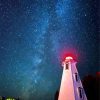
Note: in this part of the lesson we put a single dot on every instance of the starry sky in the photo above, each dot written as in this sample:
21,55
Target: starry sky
33,36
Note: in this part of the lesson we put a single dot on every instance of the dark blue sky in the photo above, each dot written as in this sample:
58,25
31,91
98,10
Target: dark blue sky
34,33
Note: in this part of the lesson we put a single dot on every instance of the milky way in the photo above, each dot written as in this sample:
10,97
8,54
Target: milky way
33,33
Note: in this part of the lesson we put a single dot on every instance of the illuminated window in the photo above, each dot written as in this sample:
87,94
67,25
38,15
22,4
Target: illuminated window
76,77
66,66
80,92
10,99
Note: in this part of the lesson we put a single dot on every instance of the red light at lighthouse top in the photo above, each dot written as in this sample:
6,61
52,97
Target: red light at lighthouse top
69,58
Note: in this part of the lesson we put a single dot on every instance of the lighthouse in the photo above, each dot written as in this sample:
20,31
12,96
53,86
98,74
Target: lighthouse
71,87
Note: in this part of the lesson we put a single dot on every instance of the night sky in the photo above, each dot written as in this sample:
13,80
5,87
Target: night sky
33,36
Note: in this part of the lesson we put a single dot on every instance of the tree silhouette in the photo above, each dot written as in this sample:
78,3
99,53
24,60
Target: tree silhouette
91,85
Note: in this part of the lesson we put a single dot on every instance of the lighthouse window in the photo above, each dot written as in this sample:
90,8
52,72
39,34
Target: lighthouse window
66,66
80,92
76,76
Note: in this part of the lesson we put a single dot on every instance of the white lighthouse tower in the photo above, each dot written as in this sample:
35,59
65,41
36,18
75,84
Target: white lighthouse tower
71,87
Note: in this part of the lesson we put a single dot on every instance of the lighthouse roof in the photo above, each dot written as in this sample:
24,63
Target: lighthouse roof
69,58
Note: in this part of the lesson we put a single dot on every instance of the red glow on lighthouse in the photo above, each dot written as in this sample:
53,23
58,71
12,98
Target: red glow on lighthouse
68,56
69,52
